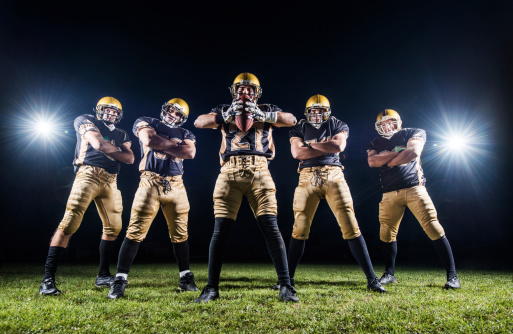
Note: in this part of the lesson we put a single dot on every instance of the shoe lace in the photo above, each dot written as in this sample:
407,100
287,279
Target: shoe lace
290,288
117,286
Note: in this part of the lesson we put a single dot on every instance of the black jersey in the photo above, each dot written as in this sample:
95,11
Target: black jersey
156,160
85,154
402,176
258,140
309,134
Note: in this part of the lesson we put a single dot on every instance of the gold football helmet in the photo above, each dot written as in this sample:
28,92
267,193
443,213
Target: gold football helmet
172,105
391,127
109,102
317,102
246,79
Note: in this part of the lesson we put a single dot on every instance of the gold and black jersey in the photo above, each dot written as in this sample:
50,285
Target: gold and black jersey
85,154
309,134
258,140
402,176
156,160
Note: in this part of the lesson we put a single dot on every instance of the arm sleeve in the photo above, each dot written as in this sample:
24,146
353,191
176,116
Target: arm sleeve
189,135
341,127
417,134
296,132
82,124
141,123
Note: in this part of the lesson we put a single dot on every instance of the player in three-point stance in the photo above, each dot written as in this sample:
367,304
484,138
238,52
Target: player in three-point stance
164,146
244,159
396,152
316,142
100,149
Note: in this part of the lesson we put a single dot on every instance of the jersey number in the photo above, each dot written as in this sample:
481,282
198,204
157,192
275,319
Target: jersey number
237,142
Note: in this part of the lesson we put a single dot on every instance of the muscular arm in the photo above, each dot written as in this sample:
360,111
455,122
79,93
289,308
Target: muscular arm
378,160
334,145
285,119
206,121
98,143
187,150
412,151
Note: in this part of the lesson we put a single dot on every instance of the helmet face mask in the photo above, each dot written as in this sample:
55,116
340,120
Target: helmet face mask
175,112
388,123
317,110
316,116
104,110
246,79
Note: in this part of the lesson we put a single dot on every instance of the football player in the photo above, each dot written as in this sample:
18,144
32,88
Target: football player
164,146
396,152
316,142
244,159
101,146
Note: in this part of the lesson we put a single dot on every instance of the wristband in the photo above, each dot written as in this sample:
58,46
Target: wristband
219,119
271,117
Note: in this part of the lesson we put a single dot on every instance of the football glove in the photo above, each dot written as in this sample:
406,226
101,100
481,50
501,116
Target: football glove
235,109
260,116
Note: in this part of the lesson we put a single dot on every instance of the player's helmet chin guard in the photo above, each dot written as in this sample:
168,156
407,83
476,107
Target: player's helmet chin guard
175,104
317,102
390,128
247,79
109,102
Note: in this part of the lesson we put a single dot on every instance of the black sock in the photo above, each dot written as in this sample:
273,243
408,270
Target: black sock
390,252
181,251
55,255
444,251
107,248
269,226
127,255
360,252
217,249
296,249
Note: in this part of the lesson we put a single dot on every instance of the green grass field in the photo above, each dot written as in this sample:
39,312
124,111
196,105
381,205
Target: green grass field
332,299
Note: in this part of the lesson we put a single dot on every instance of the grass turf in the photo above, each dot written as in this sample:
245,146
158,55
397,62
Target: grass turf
332,299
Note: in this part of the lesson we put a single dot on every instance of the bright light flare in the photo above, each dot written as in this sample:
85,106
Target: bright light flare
461,143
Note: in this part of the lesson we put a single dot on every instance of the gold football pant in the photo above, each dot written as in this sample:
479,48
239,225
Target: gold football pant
246,175
154,191
93,183
391,211
316,183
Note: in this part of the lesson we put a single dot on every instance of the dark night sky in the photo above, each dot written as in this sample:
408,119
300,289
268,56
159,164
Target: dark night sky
430,62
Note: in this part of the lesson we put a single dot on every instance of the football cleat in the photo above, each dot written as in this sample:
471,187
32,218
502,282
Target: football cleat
288,294
207,294
103,281
117,288
452,283
375,286
48,287
187,282
387,278
277,286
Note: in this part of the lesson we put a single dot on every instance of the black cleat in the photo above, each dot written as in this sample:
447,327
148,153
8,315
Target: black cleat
288,294
277,286
207,294
452,283
387,278
375,286
117,288
48,287
103,281
187,283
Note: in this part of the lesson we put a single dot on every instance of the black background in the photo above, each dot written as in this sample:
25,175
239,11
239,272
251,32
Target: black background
431,62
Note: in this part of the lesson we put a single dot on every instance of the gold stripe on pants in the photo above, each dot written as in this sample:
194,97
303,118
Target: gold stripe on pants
248,176
166,192
316,183
391,211
93,183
